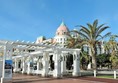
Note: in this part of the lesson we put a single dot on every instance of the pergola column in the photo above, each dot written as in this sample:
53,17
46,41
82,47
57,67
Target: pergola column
76,63
57,64
28,66
45,63
15,65
7,55
23,65
38,66
63,63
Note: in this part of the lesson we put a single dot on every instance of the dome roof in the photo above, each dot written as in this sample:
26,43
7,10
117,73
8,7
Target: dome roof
62,29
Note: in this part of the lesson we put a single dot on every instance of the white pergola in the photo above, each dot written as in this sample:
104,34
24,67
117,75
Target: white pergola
24,54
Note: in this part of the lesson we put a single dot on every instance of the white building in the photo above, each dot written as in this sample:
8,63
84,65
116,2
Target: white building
61,36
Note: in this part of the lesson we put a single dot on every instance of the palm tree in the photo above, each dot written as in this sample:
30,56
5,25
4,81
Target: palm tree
72,42
113,47
92,35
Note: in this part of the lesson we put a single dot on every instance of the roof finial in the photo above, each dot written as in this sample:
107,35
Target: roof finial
62,24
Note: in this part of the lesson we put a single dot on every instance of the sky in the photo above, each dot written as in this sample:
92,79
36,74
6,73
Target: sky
29,19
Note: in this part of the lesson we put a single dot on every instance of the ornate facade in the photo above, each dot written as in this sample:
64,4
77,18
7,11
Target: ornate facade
61,36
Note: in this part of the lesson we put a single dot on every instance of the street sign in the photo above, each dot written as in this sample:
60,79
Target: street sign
8,68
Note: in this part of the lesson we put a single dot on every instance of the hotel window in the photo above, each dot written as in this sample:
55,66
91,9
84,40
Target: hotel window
64,33
65,39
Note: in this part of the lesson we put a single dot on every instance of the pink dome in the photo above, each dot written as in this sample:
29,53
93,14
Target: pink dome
62,29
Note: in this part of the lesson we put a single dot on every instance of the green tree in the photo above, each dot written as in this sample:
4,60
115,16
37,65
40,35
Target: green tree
72,42
84,59
103,60
92,35
113,47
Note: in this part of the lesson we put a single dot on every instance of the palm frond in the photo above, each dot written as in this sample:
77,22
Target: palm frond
95,23
102,37
85,30
84,35
91,28
100,27
106,35
101,30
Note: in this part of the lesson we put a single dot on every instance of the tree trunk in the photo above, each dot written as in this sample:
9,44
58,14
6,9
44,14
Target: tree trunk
94,53
94,65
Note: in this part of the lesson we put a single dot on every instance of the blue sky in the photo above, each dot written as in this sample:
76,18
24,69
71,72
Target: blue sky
29,19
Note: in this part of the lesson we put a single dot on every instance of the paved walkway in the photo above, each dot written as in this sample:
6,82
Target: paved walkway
19,78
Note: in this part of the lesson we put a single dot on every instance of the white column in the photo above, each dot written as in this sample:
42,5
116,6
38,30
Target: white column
38,67
28,68
63,64
23,65
95,73
76,64
115,74
45,62
15,65
7,56
3,65
57,64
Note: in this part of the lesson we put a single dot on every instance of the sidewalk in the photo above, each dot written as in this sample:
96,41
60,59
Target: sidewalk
19,78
